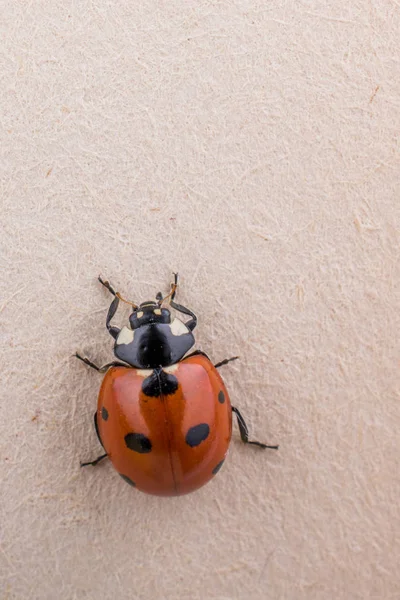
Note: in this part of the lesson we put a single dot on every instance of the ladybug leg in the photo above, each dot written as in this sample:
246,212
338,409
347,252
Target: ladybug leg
219,364
94,462
99,458
87,361
225,361
244,432
197,353
114,331
102,369
191,324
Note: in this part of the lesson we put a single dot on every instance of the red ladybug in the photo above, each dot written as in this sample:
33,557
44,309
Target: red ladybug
164,421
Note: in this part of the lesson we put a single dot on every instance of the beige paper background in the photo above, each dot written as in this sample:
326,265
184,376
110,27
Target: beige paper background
254,147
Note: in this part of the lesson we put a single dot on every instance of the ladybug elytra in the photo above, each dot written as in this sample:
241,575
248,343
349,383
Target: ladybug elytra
163,417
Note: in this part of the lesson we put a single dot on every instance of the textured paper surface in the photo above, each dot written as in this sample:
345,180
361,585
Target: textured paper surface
254,147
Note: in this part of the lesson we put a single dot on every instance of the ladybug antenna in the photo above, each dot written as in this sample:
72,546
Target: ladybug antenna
134,306
171,295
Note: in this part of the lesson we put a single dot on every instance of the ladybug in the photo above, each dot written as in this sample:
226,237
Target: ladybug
163,417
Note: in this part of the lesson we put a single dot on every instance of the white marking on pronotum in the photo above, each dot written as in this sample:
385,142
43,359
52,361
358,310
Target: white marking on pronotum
178,328
139,314
157,311
125,336
171,368
144,372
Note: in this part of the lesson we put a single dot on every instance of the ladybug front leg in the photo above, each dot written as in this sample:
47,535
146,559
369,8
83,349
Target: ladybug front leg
191,324
244,432
114,331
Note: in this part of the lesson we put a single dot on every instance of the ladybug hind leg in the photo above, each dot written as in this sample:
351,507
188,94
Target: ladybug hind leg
94,462
244,432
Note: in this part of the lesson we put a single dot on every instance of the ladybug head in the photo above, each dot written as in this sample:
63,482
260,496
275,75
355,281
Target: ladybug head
149,312
153,339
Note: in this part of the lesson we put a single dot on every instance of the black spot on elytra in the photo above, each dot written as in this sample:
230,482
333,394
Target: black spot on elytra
197,434
138,442
125,478
217,468
159,382
221,397
104,413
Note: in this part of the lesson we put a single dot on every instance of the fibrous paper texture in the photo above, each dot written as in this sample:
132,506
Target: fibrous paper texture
253,147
